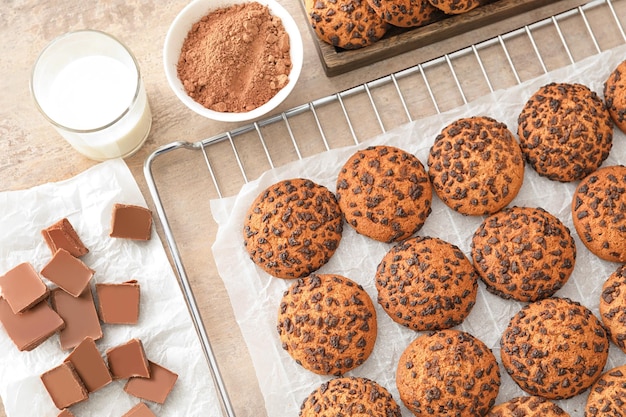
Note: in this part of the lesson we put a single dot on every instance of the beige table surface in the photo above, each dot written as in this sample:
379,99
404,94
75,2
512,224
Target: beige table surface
32,153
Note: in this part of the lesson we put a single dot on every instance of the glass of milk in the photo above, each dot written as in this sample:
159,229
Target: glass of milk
87,84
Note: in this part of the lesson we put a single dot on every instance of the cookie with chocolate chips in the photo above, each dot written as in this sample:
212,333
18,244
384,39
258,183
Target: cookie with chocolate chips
292,228
554,348
527,406
327,323
565,131
456,6
599,213
607,397
448,373
350,396
425,283
347,24
613,306
476,165
384,193
523,253
615,96
406,13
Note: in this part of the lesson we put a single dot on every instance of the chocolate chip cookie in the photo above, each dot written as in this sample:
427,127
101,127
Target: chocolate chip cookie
607,396
406,13
528,406
448,373
327,323
599,212
476,165
523,253
350,396
346,24
613,306
456,6
554,348
615,96
292,228
565,131
425,283
384,193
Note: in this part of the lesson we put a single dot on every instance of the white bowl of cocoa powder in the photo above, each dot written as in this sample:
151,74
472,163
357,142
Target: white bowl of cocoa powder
233,60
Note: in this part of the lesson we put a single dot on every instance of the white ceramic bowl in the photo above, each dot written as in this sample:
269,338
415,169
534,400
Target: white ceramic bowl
178,31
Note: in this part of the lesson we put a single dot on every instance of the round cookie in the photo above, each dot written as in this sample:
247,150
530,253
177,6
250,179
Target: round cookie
292,228
565,131
615,96
554,348
425,283
448,373
599,213
347,24
456,6
613,306
476,166
384,193
528,406
607,397
406,13
327,323
350,396
523,253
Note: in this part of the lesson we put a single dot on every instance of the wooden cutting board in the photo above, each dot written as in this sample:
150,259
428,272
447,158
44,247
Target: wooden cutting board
399,40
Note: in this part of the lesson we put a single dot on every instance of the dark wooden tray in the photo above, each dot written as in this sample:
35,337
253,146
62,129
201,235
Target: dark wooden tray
399,40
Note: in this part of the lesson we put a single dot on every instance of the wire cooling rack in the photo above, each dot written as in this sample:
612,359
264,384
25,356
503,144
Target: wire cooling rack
349,117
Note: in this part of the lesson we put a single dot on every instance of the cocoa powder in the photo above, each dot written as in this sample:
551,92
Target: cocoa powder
235,59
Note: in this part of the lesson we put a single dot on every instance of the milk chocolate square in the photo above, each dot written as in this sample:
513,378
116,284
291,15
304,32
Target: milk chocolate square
156,388
62,235
118,303
89,365
68,272
22,287
131,222
80,317
29,329
64,386
65,413
128,360
140,410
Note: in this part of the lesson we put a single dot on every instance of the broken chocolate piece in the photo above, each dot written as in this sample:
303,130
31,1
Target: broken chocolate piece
131,222
128,360
62,235
68,272
89,365
64,386
156,388
32,327
65,413
118,303
140,410
22,287
80,317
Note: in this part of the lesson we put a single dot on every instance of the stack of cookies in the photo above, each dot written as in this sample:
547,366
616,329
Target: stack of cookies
553,348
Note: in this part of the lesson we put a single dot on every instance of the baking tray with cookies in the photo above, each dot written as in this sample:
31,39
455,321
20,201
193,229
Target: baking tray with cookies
292,328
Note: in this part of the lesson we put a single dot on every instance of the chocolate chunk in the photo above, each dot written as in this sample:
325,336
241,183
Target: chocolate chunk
32,327
65,413
140,410
156,388
128,360
80,317
89,365
131,222
68,272
22,287
118,303
64,386
62,235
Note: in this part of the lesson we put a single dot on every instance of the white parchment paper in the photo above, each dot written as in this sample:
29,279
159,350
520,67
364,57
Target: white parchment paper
164,327
255,295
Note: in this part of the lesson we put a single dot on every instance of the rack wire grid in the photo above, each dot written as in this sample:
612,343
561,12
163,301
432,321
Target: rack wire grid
349,117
